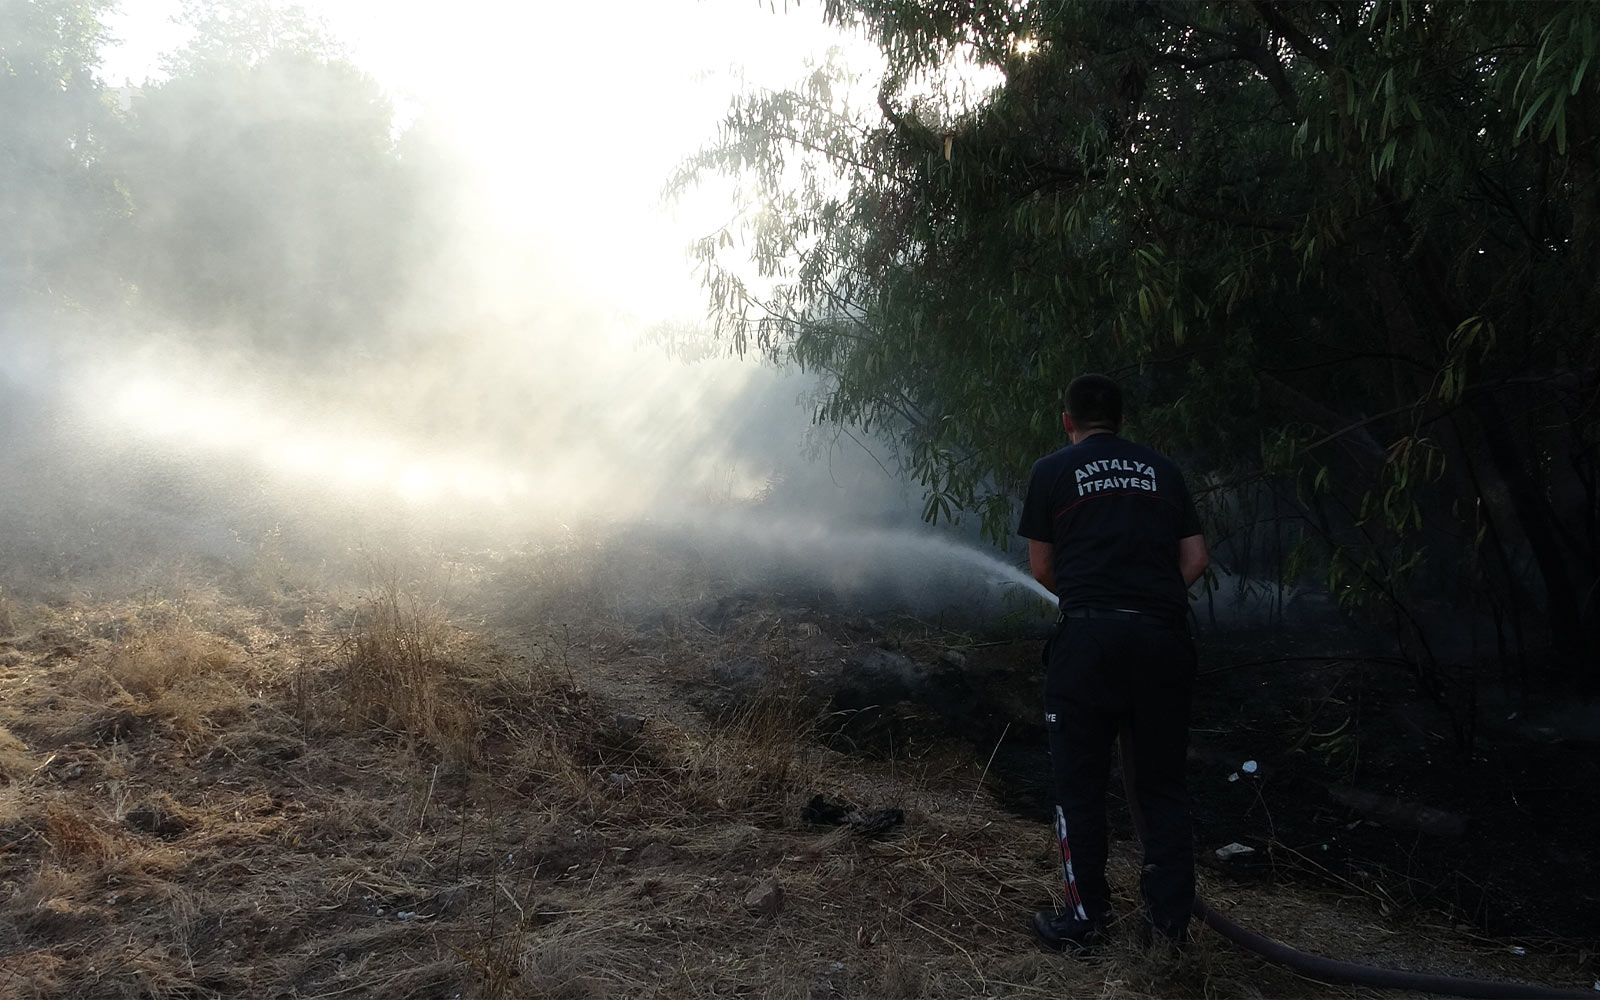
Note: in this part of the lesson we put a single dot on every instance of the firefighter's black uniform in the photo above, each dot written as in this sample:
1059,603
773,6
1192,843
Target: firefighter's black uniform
1113,512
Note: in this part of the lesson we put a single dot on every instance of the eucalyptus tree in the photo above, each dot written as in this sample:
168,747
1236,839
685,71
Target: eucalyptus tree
1344,249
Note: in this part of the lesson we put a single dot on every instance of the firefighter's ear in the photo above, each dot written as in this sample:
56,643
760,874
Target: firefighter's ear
1066,422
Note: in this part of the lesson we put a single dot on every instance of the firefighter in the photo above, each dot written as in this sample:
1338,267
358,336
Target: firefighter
1112,532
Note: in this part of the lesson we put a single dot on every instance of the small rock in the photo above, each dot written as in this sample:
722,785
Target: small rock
1232,850
874,821
825,811
953,657
629,725
765,899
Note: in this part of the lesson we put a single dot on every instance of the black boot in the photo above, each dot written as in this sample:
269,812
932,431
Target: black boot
1065,932
1168,941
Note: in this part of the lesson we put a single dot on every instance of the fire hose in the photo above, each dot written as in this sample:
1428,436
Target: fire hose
1333,970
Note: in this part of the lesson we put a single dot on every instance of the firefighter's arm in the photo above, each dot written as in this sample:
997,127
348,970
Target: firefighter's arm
1042,561
1192,558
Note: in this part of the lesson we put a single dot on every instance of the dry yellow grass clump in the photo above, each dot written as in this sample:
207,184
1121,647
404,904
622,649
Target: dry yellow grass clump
155,662
402,671
15,760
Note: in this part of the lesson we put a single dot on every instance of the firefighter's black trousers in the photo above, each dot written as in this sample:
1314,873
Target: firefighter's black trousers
1100,675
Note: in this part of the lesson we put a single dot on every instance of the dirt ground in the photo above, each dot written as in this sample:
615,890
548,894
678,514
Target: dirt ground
520,782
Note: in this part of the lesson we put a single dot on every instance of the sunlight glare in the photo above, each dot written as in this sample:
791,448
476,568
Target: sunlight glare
185,414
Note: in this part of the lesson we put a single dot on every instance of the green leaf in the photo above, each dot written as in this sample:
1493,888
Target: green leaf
1386,156
1527,116
1559,113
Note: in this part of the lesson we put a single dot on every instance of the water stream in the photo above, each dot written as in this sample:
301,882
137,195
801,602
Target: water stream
1009,574
1003,572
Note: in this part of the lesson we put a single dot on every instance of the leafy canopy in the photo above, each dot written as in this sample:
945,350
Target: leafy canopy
1344,248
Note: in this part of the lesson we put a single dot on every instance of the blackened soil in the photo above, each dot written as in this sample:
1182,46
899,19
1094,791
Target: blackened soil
1527,859
1483,813
1526,798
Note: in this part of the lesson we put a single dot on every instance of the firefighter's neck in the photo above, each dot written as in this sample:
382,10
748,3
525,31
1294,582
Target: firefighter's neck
1077,432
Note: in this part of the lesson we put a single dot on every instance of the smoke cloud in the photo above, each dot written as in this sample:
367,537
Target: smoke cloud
366,281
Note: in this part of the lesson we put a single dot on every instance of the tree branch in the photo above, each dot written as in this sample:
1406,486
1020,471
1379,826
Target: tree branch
1291,33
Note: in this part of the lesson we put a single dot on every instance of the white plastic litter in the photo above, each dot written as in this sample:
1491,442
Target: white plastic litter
1234,776
1230,850
1248,767
1517,949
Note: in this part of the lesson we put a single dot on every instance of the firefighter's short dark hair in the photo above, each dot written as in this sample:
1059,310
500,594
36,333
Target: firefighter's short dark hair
1095,402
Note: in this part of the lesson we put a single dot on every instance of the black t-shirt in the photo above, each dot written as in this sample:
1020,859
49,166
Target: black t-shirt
1114,512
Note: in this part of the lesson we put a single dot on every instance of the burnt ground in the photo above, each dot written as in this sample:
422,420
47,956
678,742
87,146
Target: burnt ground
1516,853
1362,786
1362,793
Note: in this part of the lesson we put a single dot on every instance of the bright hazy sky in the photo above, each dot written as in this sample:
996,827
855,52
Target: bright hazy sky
573,116
576,113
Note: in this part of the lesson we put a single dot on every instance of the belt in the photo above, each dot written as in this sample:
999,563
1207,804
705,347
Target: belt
1117,614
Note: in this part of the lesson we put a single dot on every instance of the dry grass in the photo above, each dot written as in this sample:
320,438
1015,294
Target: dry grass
209,799
402,667
15,761
151,664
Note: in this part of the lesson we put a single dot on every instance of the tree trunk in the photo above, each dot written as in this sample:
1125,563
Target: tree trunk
1534,517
